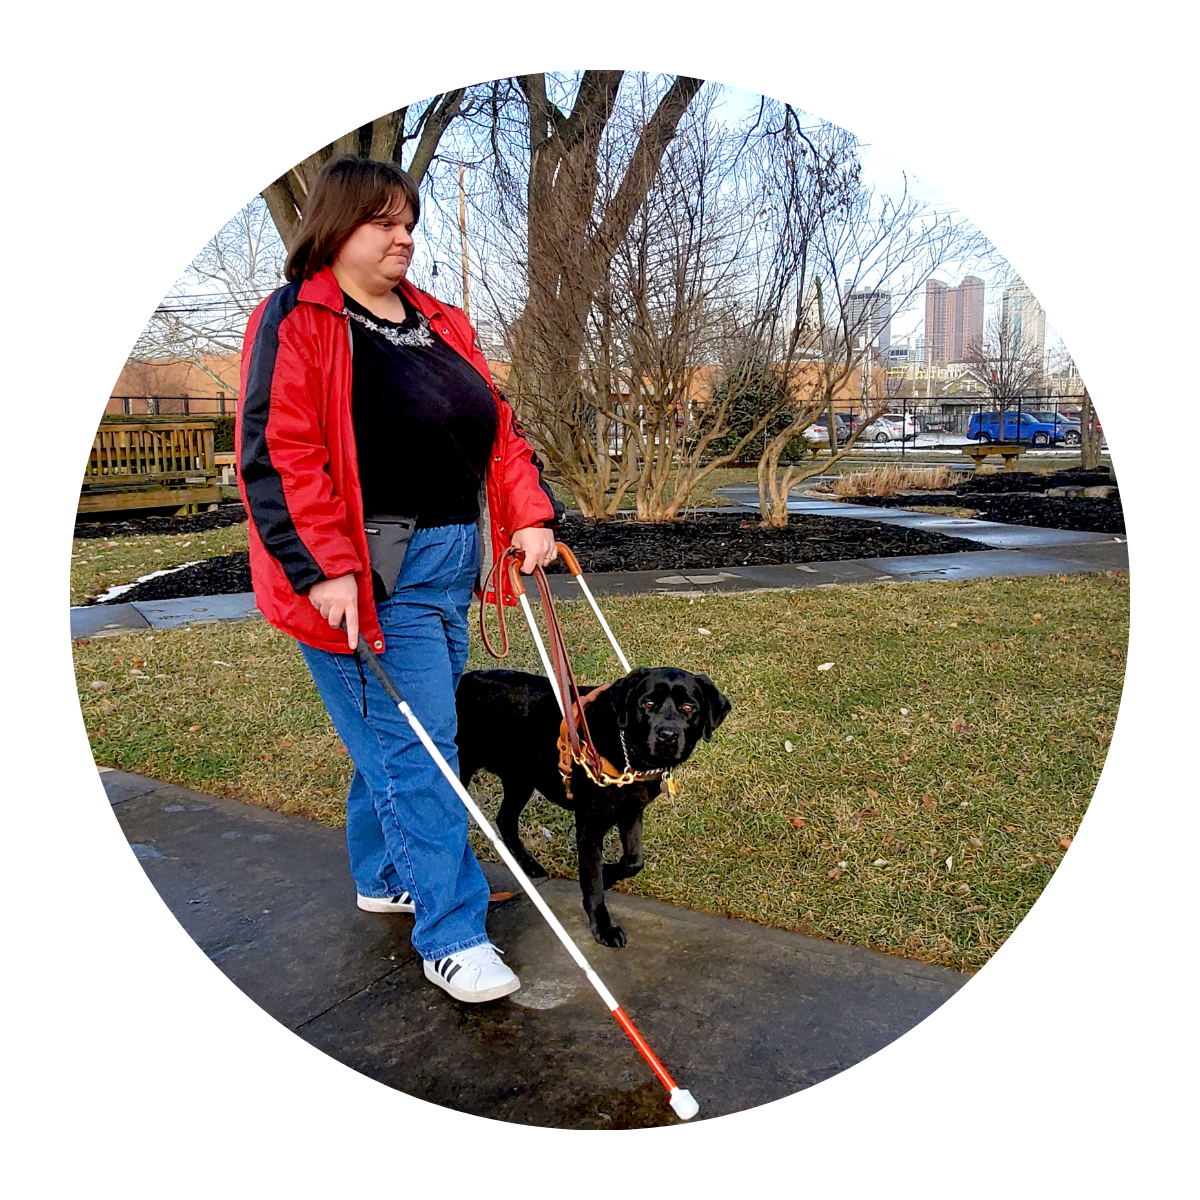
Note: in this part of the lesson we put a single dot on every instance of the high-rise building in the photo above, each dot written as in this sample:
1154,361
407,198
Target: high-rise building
869,314
953,320
1024,321
968,318
935,321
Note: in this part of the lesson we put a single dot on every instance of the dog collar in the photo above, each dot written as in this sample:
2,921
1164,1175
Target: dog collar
608,775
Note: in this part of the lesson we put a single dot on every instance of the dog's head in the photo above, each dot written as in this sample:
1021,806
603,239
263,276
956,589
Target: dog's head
663,712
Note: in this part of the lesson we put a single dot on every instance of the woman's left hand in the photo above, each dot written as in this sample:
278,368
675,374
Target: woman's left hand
538,547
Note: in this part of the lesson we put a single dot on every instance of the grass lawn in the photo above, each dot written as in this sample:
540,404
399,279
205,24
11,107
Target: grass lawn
915,797
99,563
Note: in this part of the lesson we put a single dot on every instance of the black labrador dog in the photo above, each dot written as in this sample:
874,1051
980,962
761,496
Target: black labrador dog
648,720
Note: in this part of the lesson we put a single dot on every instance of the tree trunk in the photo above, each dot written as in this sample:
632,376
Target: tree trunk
382,139
569,253
1090,437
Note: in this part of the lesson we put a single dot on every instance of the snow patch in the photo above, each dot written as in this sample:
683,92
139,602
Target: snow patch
119,589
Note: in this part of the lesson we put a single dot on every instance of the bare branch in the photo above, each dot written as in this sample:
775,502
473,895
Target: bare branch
437,119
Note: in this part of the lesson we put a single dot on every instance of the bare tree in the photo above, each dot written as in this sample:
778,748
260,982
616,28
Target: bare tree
409,136
657,321
634,356
847,259
1008,361
587,175
205,313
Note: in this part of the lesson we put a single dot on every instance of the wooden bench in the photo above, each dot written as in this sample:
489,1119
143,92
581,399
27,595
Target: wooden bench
1009,451
151,463
227,465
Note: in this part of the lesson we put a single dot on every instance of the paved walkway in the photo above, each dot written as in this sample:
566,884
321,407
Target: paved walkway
741,1015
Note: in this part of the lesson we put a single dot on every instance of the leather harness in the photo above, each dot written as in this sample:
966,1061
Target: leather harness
575,745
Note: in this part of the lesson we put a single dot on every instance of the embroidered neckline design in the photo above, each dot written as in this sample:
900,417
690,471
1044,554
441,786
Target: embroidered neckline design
418,335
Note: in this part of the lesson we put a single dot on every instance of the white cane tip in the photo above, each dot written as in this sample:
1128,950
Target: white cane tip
684,1104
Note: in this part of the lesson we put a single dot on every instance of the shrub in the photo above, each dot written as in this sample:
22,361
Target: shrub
223,435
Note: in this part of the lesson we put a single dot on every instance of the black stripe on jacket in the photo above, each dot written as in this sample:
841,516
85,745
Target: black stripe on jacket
263,483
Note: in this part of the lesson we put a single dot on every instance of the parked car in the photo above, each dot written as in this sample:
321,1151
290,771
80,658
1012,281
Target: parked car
881,430
818,431
1076,415
985,427
1065,421
891,427
908,420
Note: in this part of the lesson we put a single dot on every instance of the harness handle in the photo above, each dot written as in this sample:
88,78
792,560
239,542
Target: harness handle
562,676
579,736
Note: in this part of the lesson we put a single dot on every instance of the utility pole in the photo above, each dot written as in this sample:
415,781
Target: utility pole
462,225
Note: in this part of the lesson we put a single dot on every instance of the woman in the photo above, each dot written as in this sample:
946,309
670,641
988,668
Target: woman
364,397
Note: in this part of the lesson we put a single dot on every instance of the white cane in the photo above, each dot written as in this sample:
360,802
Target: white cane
681,1099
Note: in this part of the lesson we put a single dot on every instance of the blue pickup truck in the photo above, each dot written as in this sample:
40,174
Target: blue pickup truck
985,427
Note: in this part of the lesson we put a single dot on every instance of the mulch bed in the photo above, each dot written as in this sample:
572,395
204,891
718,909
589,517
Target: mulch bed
1017,498
231,513
706,540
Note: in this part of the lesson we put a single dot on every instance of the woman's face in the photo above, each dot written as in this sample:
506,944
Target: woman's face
377,254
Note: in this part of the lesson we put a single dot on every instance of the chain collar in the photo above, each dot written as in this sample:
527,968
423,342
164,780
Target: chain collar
608,775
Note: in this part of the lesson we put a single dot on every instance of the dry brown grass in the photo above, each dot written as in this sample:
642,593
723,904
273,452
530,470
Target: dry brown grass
941,510
886,481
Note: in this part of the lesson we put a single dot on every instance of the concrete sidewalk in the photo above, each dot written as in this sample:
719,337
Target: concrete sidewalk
740,1014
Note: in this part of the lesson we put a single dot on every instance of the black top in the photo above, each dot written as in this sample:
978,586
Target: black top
424,421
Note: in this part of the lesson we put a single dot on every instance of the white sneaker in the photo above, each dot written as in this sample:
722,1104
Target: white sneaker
473,975
391,904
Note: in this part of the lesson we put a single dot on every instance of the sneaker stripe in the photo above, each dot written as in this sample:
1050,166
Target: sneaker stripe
453,971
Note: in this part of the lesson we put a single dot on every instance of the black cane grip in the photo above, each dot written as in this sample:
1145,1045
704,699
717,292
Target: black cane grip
370,660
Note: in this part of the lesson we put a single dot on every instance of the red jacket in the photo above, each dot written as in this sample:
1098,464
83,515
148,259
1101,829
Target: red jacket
298,465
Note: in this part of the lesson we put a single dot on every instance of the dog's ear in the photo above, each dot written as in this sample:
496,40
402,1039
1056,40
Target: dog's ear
624,693
716,705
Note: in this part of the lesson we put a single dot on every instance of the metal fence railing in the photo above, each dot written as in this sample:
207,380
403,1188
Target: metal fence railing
173,406
951,417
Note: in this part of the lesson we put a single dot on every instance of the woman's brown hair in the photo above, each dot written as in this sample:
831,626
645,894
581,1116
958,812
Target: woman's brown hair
347,193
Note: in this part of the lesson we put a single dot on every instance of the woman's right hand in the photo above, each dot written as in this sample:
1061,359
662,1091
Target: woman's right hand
337,600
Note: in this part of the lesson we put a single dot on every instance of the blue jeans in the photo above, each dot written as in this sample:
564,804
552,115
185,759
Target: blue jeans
406,829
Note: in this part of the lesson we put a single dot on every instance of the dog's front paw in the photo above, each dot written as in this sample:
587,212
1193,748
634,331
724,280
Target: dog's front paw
533,868
526,861
611,935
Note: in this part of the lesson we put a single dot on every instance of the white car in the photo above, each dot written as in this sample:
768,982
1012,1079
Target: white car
888,428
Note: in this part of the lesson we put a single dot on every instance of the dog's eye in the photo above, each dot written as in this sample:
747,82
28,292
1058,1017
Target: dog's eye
647,703
687,708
